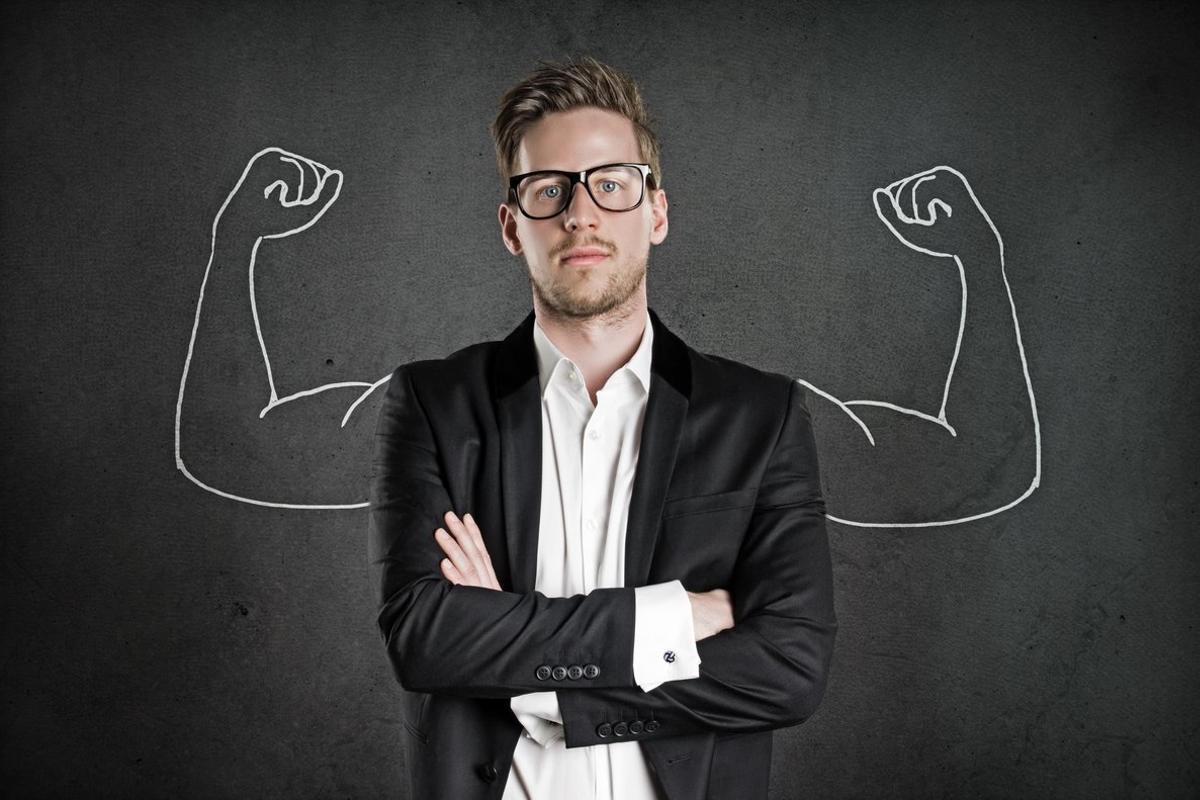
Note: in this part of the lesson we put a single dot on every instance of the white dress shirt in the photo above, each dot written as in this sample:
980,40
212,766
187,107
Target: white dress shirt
589,456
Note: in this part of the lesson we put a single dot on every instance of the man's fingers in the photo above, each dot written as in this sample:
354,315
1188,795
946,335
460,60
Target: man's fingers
470,540
459,558
464,539
487,557
451,572
463,543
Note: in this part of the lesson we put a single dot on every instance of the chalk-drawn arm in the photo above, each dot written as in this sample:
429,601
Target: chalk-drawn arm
979,452
231,426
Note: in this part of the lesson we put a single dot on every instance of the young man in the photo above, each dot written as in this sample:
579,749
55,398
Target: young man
638,589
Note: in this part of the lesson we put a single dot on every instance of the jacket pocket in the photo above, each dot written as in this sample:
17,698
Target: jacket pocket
703,503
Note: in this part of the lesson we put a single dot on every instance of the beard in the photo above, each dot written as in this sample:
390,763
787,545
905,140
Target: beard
575,297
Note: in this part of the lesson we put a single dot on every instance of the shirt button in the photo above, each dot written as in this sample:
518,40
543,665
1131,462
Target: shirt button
571,376
593,434
591,524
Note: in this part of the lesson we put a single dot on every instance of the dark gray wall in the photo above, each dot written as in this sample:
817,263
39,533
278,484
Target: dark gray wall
163,641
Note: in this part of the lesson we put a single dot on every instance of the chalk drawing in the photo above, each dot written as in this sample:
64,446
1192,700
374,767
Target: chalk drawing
900,196
317,175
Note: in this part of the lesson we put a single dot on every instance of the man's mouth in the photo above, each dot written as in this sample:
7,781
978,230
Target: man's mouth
584,256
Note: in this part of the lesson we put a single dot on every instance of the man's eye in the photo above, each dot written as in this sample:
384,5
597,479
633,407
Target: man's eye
547,191
614,184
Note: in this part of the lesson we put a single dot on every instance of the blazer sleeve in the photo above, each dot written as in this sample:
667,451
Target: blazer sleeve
467,640
770,669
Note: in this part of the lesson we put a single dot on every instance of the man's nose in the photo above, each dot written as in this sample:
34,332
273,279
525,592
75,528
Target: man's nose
582,210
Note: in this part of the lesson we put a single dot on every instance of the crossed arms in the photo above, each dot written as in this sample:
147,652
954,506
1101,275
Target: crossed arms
767,671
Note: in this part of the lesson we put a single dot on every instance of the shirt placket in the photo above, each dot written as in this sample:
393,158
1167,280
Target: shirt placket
593,499
589,496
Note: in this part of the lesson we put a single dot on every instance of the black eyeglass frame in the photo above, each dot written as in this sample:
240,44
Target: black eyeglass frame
578,177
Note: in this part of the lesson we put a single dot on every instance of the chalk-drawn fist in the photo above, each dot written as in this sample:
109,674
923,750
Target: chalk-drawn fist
281,193
936,212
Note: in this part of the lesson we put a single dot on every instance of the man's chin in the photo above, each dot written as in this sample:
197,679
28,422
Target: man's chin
582,299
584,310
581,305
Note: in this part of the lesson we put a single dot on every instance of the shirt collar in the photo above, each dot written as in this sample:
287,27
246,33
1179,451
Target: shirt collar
551,360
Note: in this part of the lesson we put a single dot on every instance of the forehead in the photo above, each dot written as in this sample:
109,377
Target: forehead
577,139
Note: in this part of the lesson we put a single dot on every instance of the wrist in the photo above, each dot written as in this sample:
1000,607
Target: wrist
232,237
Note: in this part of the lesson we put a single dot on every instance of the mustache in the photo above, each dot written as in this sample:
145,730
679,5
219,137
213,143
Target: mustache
569,246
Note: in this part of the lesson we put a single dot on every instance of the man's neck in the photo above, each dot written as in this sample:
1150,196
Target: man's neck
599,346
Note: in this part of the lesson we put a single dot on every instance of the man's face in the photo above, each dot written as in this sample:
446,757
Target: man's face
576,140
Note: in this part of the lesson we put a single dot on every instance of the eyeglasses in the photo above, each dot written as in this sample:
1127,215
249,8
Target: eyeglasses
613,187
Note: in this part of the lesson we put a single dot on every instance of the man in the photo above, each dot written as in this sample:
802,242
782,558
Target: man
697,475
629,584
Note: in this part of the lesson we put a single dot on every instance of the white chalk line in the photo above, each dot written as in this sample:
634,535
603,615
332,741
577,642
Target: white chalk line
323,174
894,192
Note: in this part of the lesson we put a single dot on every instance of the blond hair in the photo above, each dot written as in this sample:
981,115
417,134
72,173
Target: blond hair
559,87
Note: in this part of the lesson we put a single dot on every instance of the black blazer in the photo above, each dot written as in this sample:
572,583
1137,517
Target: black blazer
726,495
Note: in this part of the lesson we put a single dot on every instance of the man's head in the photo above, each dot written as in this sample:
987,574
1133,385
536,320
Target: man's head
573,117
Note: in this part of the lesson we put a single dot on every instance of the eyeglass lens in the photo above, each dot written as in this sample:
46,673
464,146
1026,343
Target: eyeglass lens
613,188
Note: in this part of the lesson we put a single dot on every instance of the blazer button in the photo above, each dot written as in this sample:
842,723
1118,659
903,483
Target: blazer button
591,671
543,672
603,730
574,672
652,726
636,726
620,729
488,772
560,672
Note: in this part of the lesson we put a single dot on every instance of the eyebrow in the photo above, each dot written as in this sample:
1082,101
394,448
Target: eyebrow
585,169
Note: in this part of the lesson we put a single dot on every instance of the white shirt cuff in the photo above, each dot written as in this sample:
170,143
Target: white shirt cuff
664,639
539,715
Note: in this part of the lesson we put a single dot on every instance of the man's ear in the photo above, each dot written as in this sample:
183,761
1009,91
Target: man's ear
658,216
508,228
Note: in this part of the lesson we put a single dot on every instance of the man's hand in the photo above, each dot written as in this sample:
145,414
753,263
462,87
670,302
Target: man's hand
469,563
712,612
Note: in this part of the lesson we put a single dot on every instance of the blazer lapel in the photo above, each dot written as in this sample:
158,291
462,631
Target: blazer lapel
666,409
519,413
514,386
